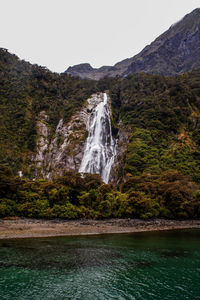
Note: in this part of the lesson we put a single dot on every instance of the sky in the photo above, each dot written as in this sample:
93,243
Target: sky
61,33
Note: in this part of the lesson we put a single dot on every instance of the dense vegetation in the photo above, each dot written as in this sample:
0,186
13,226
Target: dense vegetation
160,171
171,195
26,90
164,117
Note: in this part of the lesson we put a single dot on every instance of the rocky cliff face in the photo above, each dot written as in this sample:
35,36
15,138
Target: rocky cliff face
174,52
122,140
87,71
62,150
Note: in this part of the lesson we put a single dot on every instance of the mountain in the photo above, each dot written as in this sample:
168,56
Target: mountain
144,129
44,123
174,52
26,92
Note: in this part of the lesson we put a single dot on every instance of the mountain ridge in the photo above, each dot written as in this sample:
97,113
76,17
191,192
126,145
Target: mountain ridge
174,52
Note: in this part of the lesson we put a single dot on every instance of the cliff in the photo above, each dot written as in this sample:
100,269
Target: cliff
63,149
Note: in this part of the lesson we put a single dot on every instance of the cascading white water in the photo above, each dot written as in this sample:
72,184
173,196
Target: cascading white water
100,147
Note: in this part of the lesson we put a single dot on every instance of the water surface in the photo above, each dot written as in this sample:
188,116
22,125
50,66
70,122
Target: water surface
151,265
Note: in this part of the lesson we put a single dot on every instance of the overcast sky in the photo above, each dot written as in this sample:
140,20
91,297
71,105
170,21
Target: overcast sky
61,33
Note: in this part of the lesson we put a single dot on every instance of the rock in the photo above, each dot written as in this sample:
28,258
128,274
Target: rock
122,140
174,52
65,150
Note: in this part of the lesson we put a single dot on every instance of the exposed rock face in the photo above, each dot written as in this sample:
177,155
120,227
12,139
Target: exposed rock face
42,145
81,68
65,151
87,71
174,52
121,147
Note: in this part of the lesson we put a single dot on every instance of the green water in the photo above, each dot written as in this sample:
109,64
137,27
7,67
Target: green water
159,265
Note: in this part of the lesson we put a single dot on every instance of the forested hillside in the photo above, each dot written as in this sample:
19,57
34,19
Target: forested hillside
159,171
164,114
26,90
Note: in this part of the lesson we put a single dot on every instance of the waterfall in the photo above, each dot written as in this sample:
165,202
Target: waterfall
100,147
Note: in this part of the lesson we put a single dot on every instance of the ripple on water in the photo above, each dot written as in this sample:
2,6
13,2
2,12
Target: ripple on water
149,266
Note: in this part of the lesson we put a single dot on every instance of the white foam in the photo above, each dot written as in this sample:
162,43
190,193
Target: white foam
100,147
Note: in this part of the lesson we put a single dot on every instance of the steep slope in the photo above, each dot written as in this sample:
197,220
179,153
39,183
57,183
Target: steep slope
163,114
155,120
42,131
66,147
25,91
174,52
157,173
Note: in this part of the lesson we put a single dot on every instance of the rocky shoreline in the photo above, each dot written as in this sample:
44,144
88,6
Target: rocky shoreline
31,228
